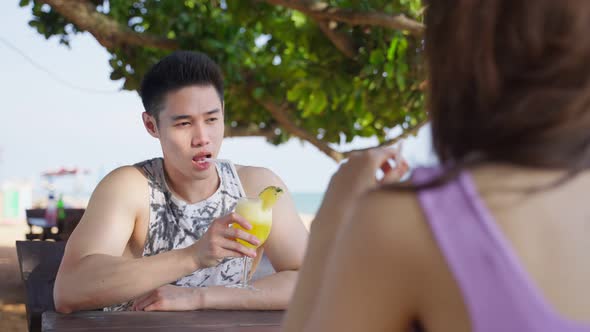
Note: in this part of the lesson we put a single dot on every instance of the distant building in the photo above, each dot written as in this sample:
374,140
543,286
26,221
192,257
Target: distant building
15,198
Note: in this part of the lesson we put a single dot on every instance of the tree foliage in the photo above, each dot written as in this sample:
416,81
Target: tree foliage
323,71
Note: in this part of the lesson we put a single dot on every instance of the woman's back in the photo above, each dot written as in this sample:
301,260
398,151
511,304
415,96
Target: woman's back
518,259
508,84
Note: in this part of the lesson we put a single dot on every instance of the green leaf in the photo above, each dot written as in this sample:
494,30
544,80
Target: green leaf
392,48
376,57
189,4
258,93
298,18
294,94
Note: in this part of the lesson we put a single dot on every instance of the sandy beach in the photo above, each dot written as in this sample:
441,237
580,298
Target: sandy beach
12,309
306,219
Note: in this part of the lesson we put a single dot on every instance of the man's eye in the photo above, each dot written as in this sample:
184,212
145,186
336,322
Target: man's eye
211,120
183,124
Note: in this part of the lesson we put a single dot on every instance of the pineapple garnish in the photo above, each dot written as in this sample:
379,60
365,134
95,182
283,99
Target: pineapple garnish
269,196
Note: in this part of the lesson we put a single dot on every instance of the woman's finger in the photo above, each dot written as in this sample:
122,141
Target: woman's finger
395,174
386,167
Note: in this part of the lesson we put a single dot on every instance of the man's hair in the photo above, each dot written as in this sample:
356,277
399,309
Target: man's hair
174,72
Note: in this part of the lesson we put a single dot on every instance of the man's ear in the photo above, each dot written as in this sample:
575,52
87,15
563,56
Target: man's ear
150,124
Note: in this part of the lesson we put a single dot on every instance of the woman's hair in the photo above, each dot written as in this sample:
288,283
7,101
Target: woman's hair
509,81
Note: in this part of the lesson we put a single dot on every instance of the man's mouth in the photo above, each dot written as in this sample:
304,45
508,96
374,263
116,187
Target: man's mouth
202,158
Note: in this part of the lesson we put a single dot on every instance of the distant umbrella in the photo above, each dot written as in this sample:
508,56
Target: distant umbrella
64,171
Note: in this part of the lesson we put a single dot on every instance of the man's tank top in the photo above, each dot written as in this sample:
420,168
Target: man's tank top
175,224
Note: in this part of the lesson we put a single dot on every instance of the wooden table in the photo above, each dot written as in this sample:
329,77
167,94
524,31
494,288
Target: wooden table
196,321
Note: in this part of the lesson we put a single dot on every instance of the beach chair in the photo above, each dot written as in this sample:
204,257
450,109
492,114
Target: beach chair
38,262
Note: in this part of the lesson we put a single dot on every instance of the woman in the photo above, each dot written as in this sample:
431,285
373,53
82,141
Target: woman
496,239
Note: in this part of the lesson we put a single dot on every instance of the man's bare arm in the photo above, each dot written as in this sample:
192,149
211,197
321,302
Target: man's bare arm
94,271
98,271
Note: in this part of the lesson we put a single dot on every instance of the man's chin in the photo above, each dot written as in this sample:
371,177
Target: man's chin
201,174
201,165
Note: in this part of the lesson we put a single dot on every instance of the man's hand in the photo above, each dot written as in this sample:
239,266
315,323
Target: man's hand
220,241
169,298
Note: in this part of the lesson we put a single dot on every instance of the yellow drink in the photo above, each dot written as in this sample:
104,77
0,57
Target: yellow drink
259,218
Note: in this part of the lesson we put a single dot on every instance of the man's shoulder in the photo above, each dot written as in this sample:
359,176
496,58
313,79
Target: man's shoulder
124,179
127,173
135,173
253,170
254,178
122,192
257,174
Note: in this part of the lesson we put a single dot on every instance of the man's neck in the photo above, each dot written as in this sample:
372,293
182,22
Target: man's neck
191,190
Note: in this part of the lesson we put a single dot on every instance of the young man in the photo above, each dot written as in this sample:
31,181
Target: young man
157,235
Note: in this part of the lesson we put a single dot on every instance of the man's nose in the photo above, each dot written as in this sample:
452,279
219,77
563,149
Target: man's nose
200,137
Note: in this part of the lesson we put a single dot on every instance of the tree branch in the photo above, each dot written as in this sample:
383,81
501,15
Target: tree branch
405,134
322,11
341,41
108,32
281,114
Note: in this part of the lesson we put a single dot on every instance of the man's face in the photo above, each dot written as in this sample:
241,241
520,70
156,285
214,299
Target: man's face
190,128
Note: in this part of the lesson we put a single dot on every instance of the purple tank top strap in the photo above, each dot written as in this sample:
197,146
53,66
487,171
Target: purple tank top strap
496,290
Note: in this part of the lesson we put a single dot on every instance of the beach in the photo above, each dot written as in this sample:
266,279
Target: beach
12,309
306,219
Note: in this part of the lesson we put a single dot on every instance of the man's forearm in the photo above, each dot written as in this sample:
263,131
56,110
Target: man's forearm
274,293
102,280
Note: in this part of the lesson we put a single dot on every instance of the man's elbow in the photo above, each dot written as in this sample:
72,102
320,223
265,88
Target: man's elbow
61,305
63,309
68,302
64,298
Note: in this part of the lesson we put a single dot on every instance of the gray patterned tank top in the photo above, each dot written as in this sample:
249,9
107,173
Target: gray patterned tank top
175,224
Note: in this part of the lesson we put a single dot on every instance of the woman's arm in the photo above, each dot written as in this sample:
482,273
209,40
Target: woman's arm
371,282
352,180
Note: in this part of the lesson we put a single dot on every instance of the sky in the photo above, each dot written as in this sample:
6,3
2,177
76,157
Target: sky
49,122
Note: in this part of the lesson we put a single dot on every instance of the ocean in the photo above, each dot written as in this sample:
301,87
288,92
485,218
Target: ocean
307,203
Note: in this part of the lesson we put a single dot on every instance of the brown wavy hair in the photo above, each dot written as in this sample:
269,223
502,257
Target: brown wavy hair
509,81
